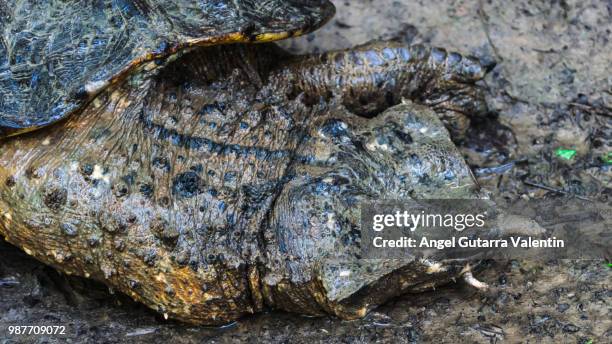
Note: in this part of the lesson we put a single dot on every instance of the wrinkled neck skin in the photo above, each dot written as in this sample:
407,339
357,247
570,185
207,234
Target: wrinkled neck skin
231,179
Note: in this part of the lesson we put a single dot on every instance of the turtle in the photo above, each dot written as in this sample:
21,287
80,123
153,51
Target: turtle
210,178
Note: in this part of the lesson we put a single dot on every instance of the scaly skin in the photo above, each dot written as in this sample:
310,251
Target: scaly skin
231,179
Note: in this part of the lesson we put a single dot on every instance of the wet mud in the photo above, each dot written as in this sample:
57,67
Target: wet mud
549,88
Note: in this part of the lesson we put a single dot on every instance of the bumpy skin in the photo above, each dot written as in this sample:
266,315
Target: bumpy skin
55,55
231,180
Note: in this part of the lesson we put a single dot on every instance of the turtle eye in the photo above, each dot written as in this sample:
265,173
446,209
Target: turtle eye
80,93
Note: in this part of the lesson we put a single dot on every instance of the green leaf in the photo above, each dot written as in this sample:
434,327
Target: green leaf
566,154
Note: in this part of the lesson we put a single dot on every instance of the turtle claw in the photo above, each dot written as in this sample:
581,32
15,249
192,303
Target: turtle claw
472,281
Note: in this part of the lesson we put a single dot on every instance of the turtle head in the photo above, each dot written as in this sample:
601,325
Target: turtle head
313,235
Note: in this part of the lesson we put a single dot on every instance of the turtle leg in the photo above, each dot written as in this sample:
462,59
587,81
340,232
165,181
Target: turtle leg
370,78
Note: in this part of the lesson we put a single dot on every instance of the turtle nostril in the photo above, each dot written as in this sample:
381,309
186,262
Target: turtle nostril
403,136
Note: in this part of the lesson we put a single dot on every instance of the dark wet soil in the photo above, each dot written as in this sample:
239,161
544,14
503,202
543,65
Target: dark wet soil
550,87
567,302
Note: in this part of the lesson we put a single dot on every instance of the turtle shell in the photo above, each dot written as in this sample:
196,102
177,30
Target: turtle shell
56,55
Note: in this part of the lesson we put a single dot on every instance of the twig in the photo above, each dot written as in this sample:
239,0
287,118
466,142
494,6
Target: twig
559,191
483,171
484,20
500,169
593,109
549,51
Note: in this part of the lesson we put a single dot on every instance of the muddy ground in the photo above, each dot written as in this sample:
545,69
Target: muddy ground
550,87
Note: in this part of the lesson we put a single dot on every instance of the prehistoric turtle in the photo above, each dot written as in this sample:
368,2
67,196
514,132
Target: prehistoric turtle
210,180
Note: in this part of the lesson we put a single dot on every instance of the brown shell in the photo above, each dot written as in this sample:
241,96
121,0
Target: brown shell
56,55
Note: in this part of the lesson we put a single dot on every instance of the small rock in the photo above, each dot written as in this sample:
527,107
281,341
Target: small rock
570,328
562,307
